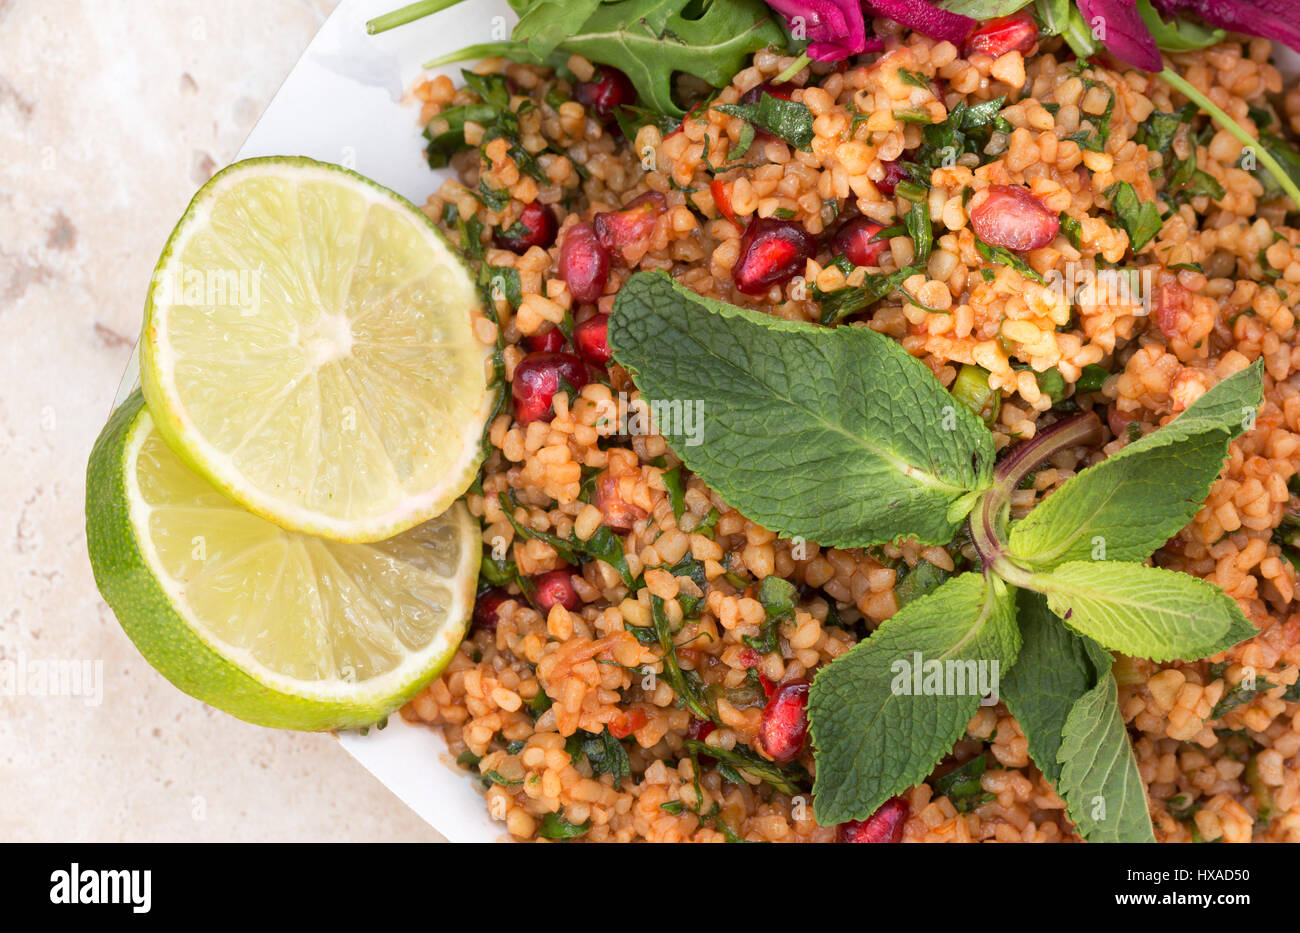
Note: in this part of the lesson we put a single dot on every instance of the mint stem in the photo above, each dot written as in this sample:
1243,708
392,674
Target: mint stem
484,50
988,520
799,65
1181,84
407,14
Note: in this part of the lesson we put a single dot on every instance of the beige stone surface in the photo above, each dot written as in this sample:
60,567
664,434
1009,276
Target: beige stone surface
112,112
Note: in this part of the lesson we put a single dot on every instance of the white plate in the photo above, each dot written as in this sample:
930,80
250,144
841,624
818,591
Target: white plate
343,103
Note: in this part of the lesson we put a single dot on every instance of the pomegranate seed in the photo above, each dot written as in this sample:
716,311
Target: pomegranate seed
584,263
550,341
486,608
537,379
894,173
608,90
1011,216
772,252
755,93
785,721
1172,300
555,588
618,513
856,240
750,658
627,723
632,226
885,825
591,339
536,226
1015,33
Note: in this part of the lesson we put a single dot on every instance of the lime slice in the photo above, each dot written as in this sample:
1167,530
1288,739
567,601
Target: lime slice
273,626
308,349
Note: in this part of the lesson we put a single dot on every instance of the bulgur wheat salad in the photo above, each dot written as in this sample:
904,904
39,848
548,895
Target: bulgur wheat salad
793,189
788,421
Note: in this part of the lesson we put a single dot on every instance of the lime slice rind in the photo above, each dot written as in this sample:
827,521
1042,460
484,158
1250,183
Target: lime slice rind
349,399
158,610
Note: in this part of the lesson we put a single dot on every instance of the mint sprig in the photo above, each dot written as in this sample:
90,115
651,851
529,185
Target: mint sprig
839,436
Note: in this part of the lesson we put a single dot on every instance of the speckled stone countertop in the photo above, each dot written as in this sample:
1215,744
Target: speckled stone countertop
111,114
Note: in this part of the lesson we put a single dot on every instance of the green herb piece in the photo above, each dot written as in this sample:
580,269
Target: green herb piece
1139,219
555,826
924,578
467,759
1072,229
604,544
962,785
603,752
785,780
631,118
864,708
1005,257
501,281
778,598
1239,694
539,704
1091,379
971,388
884,472
913,78
982,9
844,302
920,230
1146,612
676,491
1130,504
787,119
966,130
672,806
1104,793
494,777
687,687
1051,383
708,523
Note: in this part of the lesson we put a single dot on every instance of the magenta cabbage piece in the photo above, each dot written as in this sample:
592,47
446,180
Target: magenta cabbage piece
834,28
1272,19
1123,32
926,19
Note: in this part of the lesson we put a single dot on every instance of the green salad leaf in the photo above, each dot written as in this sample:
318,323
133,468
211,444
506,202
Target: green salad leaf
873,739
826,433
788,119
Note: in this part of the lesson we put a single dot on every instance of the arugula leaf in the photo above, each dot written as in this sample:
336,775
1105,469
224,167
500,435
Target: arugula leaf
1130,504
873,741
788,119
1104,793
1147,612
1139,219
1052,671
650,40
868,411
544,24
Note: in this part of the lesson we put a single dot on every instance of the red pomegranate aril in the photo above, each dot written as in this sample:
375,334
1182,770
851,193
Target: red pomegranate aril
550,341
591,340
772,252
555,588
885,825
537,379
486,608
722,200
1011,216
1015,33
608,90
627,723
784,725
894,173
536,226
856,240
632,225
584,263
618,513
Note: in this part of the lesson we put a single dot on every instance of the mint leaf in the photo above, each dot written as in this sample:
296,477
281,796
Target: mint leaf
872,740
788,119
1139,219
837,435
1133,502
1052,672
1104,794
1146,612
